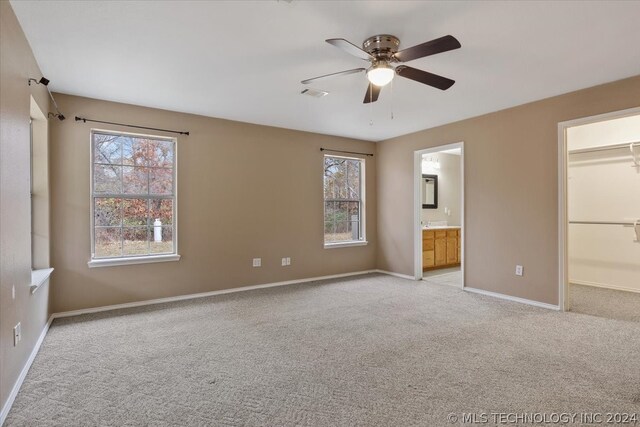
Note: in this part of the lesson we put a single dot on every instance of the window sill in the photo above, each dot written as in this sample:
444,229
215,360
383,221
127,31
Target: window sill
39,278
345,244
110,262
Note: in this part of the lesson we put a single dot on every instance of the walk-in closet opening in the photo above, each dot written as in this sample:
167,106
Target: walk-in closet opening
602,201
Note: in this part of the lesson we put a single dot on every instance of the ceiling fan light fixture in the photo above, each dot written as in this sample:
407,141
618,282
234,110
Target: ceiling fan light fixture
380,74
381,51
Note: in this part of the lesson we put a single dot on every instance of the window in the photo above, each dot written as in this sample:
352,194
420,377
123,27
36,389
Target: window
39,192
133,197
343,201
33,245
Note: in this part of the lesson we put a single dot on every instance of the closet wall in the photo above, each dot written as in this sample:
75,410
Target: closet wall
604,186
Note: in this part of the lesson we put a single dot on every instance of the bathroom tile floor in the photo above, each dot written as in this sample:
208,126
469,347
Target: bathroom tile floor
445,276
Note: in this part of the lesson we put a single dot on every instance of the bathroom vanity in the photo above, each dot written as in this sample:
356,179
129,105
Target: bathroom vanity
441,247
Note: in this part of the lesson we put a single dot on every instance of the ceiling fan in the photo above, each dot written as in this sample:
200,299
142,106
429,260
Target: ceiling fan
382,52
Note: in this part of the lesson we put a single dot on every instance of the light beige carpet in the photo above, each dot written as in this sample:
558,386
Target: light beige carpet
370,351
602,302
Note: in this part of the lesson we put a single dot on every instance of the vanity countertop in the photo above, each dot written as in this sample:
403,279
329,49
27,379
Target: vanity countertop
442,227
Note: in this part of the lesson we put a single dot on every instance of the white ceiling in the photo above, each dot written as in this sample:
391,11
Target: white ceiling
243,60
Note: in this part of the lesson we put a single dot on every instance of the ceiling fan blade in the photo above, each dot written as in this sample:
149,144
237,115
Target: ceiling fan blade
350,48
339,73
430,79
443,44
372,94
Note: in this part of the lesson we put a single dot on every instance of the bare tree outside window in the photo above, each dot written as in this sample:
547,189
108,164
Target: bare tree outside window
133,193
343,178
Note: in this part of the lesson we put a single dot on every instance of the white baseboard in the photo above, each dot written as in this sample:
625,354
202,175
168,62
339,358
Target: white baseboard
391,273
603,285
511,298
16,387
203,294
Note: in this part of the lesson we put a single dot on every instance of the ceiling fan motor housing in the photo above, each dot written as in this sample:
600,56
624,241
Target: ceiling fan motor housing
382,47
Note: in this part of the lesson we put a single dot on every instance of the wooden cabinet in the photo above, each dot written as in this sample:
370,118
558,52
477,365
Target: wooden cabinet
428,251
441,248
428,259
452,246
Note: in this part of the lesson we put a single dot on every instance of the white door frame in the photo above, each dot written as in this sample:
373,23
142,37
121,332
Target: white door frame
417,206
563,220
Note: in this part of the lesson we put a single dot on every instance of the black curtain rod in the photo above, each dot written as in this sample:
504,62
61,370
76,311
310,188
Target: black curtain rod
347,152
82,119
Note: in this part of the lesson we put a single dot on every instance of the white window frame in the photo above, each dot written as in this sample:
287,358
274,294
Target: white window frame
363,192
133,259
31,191
38,186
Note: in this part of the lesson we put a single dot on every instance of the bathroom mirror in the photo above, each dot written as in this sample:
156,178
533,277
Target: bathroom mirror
429,191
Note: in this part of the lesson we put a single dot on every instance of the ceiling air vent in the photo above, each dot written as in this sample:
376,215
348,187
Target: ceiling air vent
315,93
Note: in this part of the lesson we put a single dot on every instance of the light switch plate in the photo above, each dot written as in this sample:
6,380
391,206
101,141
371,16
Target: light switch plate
519,270
17,334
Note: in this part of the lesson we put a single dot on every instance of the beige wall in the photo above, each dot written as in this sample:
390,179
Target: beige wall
511,196
603,186
244,191
17,64
449,189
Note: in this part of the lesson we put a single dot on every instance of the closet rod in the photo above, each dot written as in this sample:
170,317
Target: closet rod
605,147
603,222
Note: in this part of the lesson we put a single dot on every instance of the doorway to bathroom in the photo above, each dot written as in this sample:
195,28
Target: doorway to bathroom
600,215
439,214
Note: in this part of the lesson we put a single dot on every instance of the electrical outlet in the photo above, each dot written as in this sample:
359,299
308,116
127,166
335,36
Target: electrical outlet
17,334
519,270
288,261
284,262
257,262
